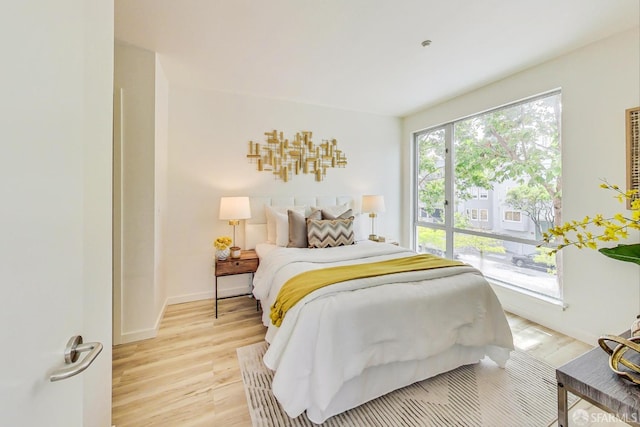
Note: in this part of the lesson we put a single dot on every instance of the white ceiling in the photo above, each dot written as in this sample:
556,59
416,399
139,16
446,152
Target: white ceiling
362,55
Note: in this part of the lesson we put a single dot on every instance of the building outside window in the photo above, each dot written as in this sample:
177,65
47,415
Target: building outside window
487,186
513,216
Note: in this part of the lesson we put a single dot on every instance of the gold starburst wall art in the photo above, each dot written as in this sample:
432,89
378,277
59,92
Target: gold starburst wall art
300,155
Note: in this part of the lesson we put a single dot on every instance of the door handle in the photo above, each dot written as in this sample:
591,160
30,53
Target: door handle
71,355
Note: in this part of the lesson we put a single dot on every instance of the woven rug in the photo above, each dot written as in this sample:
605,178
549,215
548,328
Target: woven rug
522,394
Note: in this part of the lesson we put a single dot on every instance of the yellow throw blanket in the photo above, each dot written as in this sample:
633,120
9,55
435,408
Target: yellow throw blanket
303,284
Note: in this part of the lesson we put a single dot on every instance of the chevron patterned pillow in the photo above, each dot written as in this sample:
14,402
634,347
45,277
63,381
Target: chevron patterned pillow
327,233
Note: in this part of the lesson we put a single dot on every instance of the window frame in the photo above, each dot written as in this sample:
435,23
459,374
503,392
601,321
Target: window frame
448,226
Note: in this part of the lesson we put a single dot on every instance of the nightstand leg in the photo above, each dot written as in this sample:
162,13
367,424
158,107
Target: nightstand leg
216,294
563,411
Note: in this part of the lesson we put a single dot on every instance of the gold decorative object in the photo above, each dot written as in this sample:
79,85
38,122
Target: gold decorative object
616,354
617,359
632,119
284,158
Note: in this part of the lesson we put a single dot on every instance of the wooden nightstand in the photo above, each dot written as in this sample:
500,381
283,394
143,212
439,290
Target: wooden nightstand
247,263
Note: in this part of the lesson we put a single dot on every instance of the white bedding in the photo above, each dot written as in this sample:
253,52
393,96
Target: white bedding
348,343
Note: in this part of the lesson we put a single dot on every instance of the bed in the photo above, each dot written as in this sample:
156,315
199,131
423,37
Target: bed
345,344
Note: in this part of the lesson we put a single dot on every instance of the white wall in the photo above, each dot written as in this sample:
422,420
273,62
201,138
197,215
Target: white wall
209,134
598,83
140,150
160,181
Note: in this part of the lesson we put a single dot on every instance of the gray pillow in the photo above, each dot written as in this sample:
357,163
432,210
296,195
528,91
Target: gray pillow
298,228
346,214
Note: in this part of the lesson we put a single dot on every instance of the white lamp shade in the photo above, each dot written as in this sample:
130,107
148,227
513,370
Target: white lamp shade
234,208
372,204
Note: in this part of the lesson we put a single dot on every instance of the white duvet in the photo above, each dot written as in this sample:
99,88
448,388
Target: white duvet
345,344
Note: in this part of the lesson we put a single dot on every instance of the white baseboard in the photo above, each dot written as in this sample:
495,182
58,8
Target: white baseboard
139,335
222,293
179,299
143,334
233,291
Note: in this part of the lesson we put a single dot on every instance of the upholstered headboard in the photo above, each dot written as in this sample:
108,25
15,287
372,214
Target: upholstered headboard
255,230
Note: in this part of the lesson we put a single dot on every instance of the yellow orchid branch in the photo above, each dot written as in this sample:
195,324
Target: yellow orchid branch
589,232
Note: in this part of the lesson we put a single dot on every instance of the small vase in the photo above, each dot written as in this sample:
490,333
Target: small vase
222,254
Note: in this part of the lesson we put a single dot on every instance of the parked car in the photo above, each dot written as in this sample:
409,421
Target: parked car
429,250
529,261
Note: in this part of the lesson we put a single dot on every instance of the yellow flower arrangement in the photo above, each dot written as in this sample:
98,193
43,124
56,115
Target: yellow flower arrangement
592,231
222,243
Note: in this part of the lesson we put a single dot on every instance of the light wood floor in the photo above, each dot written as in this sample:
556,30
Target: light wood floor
189,376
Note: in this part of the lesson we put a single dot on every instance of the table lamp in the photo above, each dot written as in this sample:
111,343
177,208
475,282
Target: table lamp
373,205
234,209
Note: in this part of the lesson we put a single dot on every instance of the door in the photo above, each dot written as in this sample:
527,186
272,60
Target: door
55,208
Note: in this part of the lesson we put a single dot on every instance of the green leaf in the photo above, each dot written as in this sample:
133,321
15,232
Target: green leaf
629,253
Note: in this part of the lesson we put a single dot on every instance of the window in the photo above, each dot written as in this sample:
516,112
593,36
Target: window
477,214
513,216
512,152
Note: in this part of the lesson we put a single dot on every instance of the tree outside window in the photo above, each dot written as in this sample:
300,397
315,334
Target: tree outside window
504,160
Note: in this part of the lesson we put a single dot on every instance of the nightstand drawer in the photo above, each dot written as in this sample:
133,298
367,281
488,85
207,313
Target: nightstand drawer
236,266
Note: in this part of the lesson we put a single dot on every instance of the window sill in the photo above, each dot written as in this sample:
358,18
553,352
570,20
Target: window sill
538,296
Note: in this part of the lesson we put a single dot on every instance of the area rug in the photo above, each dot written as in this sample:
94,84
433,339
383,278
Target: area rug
522,394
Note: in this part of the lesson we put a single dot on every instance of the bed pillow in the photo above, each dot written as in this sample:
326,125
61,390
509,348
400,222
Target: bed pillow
270,213
359,224
282,228
298,228
361,227
327,214
334,210
328,233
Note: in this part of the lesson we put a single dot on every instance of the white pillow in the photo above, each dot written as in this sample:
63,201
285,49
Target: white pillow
282,229
361,226
271,212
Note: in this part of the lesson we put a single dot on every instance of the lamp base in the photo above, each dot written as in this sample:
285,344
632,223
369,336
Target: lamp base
236,252
373,236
